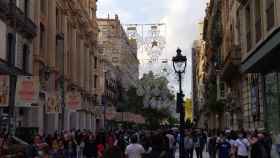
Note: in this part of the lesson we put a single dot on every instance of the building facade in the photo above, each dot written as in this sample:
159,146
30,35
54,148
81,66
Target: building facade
56,41
67,59
259,35
119,50
198,87
241,43
17,32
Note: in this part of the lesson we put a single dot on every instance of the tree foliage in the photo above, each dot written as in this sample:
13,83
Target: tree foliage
152,99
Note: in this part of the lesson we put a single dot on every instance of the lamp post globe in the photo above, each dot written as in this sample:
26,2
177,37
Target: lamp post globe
179,62
179,65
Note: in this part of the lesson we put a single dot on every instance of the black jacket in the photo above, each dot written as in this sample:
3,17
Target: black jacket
90,149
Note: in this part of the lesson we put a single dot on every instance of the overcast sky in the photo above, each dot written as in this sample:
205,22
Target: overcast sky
181,17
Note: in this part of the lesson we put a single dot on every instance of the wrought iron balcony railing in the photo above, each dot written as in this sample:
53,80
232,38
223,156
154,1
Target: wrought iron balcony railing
4,8
243,2
231,63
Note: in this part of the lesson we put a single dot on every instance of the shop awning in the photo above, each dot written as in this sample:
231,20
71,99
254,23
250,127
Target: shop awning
265,57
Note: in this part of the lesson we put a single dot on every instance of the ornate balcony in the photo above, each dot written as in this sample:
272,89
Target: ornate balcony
4,8
243,2
231,64
17,19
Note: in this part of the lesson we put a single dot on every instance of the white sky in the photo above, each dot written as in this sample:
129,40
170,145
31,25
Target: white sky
181,17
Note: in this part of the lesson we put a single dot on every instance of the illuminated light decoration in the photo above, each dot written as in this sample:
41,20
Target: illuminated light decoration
154,43
150,38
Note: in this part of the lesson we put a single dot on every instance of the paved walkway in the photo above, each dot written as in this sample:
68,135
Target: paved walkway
205,154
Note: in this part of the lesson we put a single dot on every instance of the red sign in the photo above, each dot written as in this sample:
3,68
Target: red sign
73,100
27,91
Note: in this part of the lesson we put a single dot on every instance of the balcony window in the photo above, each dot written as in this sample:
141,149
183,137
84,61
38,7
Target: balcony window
59,52
248,27
25,58
95,62
26,7
42,37
258,24
270,14
43,7
95,81
59,20
11,44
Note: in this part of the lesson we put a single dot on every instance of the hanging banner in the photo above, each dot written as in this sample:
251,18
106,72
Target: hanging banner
110,113
99,112
27,91
73,100
53,104
4,90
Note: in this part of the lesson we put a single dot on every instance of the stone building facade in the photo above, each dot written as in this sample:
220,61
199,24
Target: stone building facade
198,76
259,35
119,50
66,58
242,42
17,32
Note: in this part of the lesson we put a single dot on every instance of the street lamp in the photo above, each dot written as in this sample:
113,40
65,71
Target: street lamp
179,65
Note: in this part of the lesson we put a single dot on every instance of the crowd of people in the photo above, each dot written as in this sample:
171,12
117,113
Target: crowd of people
161,143
114,144
228,144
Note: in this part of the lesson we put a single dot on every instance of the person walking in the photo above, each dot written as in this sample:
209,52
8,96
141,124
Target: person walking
90,149
257,147
171,141
242,144
224,148
188,145
212,146
134,150
198,143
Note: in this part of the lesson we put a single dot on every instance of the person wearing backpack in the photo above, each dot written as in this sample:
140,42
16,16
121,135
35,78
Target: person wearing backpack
188,145
242,145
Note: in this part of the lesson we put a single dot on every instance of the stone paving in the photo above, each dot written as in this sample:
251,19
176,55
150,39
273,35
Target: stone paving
205,154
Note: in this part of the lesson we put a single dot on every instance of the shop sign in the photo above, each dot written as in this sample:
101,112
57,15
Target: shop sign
73,100
53,104
98,112
27,91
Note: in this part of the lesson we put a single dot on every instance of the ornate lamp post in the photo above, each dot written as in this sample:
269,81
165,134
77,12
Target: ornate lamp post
179,65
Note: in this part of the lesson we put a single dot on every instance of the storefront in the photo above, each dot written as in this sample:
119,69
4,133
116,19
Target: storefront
264,61
272,108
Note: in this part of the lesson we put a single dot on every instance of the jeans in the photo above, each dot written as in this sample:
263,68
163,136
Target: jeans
198,152
189,153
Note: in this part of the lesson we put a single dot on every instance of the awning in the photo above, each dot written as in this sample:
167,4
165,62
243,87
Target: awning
265,57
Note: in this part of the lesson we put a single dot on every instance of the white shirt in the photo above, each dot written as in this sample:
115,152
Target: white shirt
171,140
242,147
134,151
232,142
